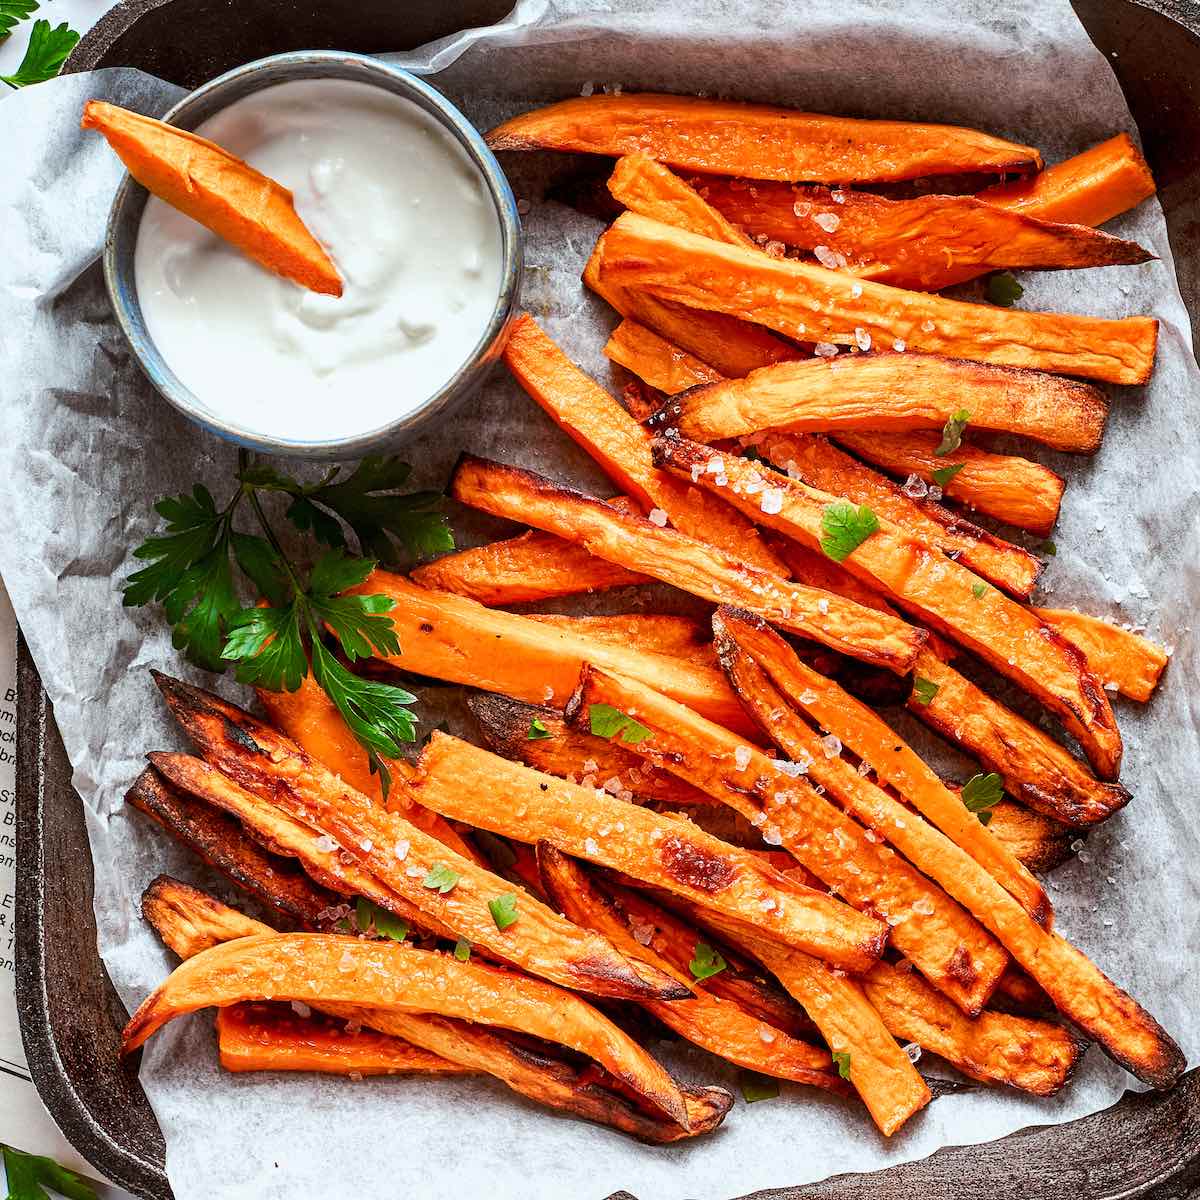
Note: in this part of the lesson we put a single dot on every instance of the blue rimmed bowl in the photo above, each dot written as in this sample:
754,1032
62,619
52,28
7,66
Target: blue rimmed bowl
194,109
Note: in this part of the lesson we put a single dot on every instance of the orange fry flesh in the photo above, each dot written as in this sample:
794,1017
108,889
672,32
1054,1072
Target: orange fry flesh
655,360
1118,656
221,192
943,594
758,141
812,303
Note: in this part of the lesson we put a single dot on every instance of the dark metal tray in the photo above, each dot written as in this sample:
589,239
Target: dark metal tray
1144,1146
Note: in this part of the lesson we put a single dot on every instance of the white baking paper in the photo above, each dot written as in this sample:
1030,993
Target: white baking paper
87,447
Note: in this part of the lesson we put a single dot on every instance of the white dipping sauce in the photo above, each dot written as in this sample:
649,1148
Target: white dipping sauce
407,219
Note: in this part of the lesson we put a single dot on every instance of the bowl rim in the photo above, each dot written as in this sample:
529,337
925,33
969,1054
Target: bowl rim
368,69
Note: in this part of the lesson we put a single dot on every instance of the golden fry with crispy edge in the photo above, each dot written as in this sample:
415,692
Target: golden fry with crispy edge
453,638
1005,486
657,633
1037,770
1118,656
689,564
189,921
709,1021
261,1037
268,765
1032,1055
591,417
759,141
1038,842
820,464
220,191
927,242
222,843
889,392
812,303
943,594
948,944
468,783
772,681
322,969
655,360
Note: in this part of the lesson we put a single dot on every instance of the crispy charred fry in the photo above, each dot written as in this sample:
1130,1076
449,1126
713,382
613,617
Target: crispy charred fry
948,945
757,141
1038,842
453,638
569,753
691,565
1089,188
226,195
223,844
191,922
656,633
1004,486
468,783
890,392
822,465
1037,770
711,1022
589,415
805,301
927,243
324,969
1035,1056
1118,656
274,768
1007,636
260,1037
772,681
655,360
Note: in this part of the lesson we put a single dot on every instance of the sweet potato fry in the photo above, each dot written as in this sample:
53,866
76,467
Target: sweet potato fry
1036,769
942,593
226,195
927,243
260,1037
758,141
1038,842
890,392
531,566
1118,656
191,922
772,682
820,464
691,565
1035,1056
590,416
1089,188
1004,486
223,844
812,303
323,969
655,633
656,361
369,841
467,783
718,1025
948,945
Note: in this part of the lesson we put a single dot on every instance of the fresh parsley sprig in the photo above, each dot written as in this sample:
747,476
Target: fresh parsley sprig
190,571
48,48
13,12
29,1175
981,793
844,528
607,722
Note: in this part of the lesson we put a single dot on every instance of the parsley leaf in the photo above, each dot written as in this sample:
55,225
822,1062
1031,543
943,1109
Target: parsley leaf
13,12
706,962
924,690
537,730
462,949
1003,289
1048,547
607,722
44,56
978,590
757,1087
385,924
845,528
842,1059
440,879
943,475
981,793
503,910
952,432
29,1175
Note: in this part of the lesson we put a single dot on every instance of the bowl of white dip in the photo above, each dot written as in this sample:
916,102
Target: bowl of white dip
417,216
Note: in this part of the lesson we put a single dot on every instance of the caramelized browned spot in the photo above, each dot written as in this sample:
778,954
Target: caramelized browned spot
695,866
960,967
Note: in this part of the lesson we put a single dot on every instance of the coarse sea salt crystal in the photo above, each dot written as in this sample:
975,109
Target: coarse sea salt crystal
366,845
766,1035
831,745
590,847
826,257
346,962
741,756
612,785
808,696
587,89
590,766
923,905
401,849
325,844
772,500
823,606
642,934
913,1051
838,196
856,290
825,350
715,465
928,326
900,345
758,819
547,692
697,471
656,516
301,1009
828,221
915,488
862,338
772,836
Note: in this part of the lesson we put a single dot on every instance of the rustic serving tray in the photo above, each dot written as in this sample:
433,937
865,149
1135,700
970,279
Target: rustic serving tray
1144,1146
